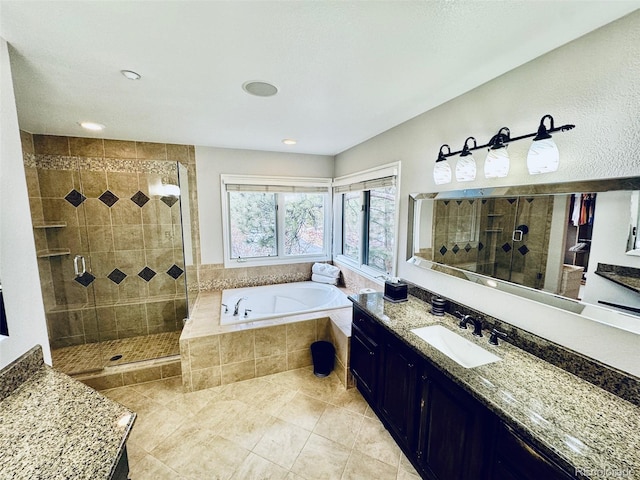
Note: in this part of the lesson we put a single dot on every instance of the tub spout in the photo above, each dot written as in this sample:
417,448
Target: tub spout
237,307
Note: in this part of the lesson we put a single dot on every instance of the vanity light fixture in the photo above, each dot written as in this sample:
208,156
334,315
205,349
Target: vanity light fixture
496,165
442,169
543,155
466,165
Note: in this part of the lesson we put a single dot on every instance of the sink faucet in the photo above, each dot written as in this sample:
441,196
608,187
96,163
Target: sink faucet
477,324
235,309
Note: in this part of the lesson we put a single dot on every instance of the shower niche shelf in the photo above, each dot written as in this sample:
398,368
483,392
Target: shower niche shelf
54,252
50,225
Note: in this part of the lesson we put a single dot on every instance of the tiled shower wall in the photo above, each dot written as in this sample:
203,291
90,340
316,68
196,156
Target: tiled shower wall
99,194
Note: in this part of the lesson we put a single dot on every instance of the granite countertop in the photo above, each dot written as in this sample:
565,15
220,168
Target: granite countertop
54,427
628,277
592,433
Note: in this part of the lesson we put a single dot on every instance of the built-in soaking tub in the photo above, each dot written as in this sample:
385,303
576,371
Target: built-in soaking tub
250,304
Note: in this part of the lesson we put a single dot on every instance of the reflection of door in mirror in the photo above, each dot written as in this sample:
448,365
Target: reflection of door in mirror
633,243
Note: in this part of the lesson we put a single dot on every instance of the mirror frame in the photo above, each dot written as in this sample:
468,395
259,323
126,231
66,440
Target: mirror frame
547,298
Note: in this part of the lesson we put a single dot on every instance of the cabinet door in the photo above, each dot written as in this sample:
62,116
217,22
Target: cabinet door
398,389
515,459
454,431
364,364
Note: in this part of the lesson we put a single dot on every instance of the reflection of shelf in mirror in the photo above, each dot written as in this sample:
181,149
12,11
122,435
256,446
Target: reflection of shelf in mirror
54,252
50,225
493,230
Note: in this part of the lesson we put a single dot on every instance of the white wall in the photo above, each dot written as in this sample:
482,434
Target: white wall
594,83
18,266
212,162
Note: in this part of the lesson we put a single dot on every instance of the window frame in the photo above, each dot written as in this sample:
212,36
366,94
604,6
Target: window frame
353,181
273,184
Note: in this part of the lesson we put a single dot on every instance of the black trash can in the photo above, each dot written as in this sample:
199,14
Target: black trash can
322,354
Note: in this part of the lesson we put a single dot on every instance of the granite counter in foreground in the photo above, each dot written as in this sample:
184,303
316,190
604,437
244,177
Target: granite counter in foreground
54,427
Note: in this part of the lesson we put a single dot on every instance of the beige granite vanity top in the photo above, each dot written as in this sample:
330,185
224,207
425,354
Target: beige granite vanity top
593,433
54,427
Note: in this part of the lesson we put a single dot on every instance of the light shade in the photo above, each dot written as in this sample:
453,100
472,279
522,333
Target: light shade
497,163
466,165
543,157
442,173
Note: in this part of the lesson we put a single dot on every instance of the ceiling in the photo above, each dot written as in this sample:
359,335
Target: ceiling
346,71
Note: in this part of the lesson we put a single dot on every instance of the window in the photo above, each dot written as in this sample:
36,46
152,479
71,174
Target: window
366,220
275,220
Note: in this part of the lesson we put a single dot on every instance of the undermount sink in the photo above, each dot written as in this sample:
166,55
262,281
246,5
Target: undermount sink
457,348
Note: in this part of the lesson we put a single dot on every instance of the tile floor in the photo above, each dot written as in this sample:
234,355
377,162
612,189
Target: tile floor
290,425
92,357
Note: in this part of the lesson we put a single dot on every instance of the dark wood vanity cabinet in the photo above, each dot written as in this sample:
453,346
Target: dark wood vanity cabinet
398,389
455,430
365,355
443,430
515,459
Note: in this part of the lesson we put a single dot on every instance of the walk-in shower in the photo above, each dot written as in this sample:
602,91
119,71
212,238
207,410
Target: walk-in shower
110,250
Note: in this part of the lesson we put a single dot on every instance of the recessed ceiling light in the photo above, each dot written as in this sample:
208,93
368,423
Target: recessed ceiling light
260,89
95,127
289,141
131,75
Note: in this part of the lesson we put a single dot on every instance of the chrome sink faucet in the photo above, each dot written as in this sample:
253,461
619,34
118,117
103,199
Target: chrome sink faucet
237,307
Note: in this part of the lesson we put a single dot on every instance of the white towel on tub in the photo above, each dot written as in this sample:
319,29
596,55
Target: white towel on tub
326,270
316,277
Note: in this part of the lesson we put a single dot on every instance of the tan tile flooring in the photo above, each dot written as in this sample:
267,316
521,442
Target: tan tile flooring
290,425
94,356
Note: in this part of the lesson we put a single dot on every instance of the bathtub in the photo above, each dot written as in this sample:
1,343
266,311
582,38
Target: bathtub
273,301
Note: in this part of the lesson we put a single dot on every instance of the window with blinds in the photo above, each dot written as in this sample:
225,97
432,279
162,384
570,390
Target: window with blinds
275,220
366,220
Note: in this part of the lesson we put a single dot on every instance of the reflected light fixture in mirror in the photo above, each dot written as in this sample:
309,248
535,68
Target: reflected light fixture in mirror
543,154
442,169
496,164
466,165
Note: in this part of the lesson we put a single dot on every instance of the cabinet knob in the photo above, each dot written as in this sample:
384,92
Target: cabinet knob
411,365
371,353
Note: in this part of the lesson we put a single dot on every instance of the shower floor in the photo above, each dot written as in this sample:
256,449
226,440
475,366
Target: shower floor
92,357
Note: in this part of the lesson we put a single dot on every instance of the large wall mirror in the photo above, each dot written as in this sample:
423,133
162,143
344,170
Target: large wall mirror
534,241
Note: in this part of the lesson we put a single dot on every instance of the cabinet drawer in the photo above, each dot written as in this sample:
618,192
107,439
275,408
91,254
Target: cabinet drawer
366,324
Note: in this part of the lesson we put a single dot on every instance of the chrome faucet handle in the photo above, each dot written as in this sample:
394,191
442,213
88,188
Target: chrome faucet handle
246,312
493,339
226,309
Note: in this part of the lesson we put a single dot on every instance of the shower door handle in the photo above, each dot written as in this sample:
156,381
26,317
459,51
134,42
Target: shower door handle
517,235
76,270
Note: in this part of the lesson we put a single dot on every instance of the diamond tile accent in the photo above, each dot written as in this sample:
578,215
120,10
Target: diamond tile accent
85,279
506,247
146,274
467,247
459,202
117,276
523,250
456,248
75,198
443,250
511,200
169,201
480,246
108,198
446,202
175,271
139,199
530,200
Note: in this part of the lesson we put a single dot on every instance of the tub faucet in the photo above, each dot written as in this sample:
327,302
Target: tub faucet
237,307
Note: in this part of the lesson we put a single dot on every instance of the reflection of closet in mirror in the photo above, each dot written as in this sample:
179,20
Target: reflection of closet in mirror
582,207
505,237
